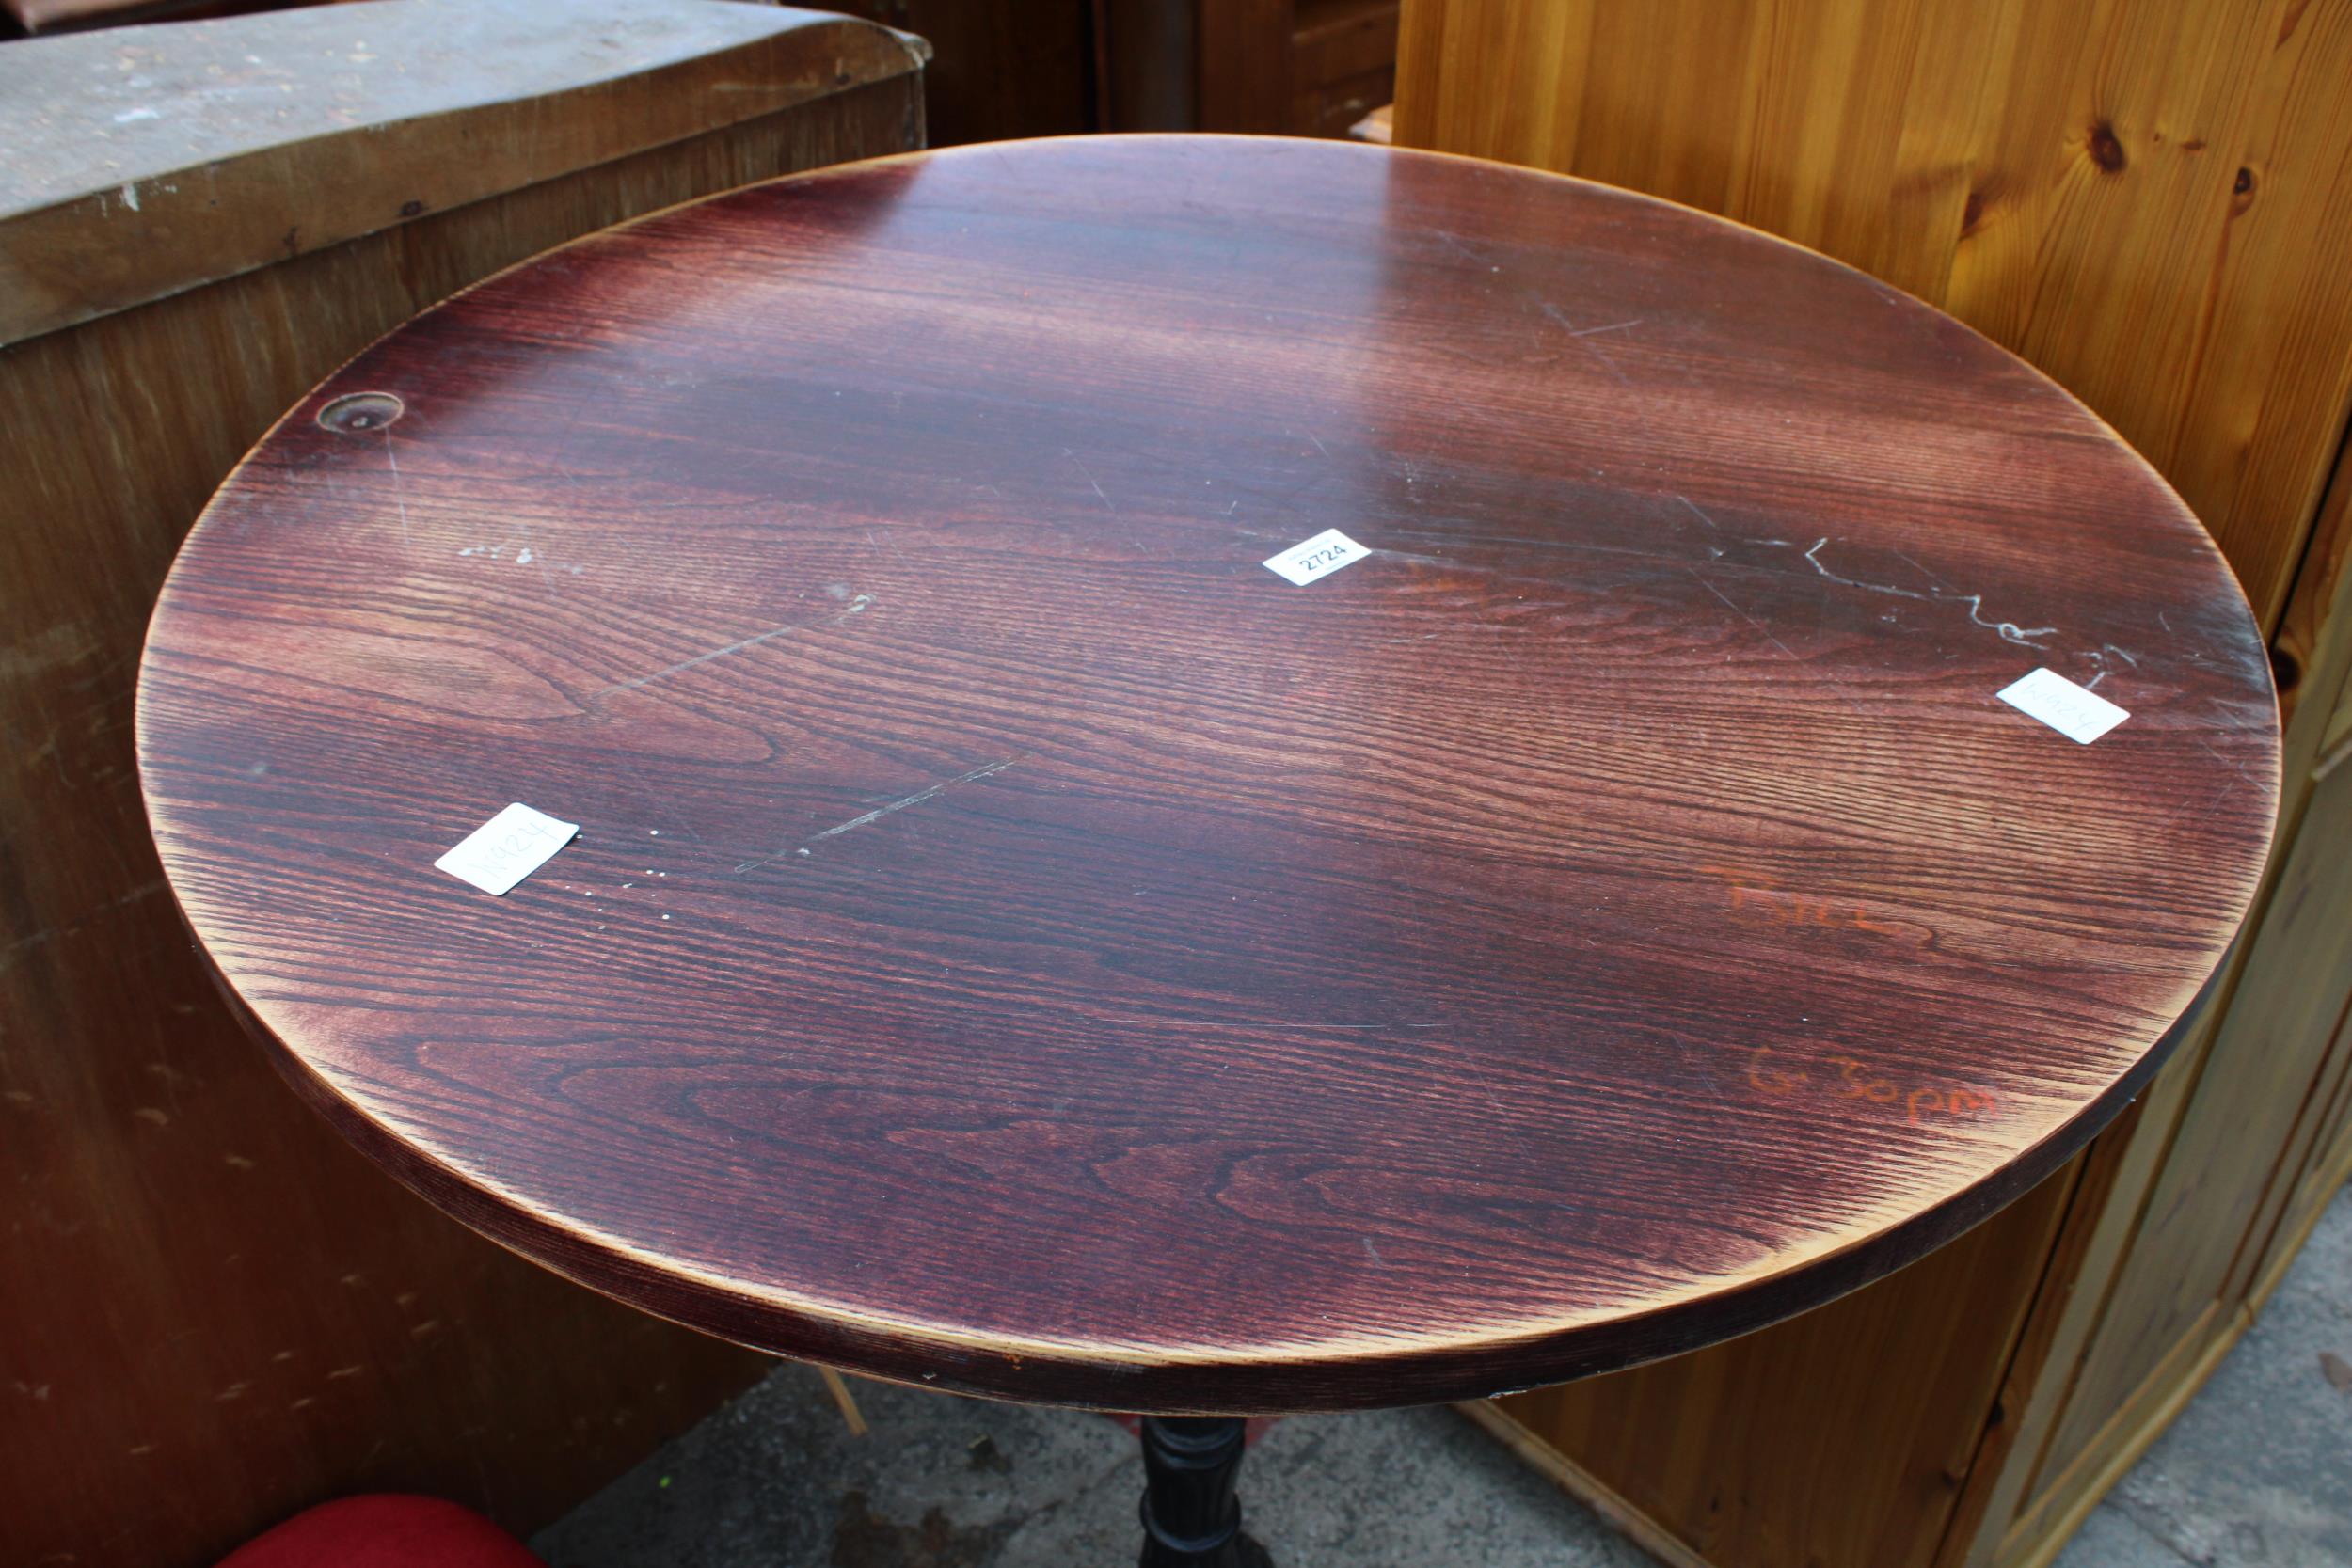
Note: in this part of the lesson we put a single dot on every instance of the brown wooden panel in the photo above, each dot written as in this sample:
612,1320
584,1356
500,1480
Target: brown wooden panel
1151,80
2312,648
1005,69
1244,63
1333,108
2323,1177
217,1313
1842,1436
144,161
1340,41
2144,201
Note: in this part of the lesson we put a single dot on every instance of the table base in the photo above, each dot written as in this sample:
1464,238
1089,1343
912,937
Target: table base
1191,1518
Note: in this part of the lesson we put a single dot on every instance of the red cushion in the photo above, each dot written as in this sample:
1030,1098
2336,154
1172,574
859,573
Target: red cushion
384,1531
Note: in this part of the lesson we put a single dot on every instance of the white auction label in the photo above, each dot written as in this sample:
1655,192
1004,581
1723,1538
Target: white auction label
506,848
1319,557
2075,711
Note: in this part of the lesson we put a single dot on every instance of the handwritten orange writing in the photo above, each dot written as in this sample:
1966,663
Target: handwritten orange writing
1761,896
1776,1074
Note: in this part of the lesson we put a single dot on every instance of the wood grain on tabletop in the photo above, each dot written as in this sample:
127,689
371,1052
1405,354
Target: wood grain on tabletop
1017,940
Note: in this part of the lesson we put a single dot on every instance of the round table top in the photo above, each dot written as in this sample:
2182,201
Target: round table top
1017,939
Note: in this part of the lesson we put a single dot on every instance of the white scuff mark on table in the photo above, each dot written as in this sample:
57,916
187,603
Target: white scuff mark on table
2098,657
399,499
879,813
2009,631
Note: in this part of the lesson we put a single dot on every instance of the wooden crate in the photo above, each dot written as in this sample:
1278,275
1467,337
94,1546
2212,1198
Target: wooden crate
2149,202
215,1312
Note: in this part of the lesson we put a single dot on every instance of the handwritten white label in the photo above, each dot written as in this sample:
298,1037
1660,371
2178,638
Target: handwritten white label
506,848
1319,557
2075,712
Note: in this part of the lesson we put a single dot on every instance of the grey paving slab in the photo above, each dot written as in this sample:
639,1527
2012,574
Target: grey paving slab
2257,1471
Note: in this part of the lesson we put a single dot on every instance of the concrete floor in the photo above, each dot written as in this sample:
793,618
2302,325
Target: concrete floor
2257,1473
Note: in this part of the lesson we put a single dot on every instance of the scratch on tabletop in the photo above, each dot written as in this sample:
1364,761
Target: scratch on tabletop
1560,319
398,499
1766,633
1921,570
1218,1024
893,545
854,607
1092,481
879,812
1693,508
2238,767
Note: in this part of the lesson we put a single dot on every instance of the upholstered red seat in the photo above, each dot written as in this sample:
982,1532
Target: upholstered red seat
384,1530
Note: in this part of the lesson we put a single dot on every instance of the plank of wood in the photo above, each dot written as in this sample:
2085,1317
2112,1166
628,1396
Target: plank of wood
201,149
1151,81
1244,60
1341,41
235,1317
2322,1179
2037,1536
2143,201
1615,914
1002,70
1497,1420
2314,641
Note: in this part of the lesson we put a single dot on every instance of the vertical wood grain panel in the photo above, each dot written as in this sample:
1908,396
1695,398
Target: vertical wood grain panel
1244,63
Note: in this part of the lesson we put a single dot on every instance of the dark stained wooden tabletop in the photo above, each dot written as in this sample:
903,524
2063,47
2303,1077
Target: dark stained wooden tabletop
1017,940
